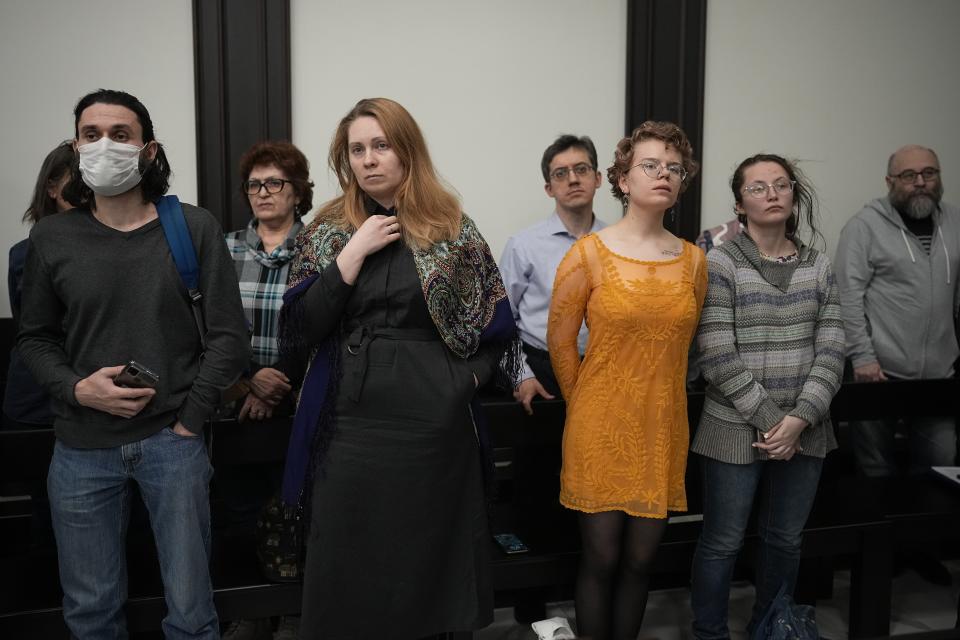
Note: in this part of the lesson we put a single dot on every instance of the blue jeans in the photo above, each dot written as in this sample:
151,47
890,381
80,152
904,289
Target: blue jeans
787,490
932,441
90,505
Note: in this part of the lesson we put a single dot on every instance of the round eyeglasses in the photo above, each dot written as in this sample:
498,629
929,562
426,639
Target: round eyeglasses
761,189
272,185
653,168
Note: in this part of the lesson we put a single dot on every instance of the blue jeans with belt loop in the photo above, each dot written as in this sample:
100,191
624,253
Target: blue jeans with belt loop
786,490
90,505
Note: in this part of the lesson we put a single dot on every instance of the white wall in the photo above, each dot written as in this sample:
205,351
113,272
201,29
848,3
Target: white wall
838,85
54,52
491,84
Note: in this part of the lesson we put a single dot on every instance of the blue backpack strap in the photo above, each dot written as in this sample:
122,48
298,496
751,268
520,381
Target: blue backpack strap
184,254
181,245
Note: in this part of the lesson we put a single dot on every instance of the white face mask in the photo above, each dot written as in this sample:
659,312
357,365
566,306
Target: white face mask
110,168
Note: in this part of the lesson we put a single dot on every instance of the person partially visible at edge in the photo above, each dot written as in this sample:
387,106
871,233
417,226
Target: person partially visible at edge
530,258
771,349
275,178
101,288
640,289
396,301
897,266
25,403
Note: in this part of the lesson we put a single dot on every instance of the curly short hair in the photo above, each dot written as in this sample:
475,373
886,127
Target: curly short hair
289,159
667,132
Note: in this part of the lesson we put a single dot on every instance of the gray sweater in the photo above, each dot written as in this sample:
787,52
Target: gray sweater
771,344
898,301
94,297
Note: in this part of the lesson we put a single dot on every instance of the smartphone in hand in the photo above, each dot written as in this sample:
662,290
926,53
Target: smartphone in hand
136,375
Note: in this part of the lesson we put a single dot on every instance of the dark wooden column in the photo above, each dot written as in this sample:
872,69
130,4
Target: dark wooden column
666,47
242,71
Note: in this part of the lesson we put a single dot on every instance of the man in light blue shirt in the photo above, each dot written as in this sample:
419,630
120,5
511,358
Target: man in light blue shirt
531,257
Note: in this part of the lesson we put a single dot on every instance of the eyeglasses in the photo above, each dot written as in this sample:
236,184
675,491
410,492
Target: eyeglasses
761,189
581,170
272,185
909,176
653,168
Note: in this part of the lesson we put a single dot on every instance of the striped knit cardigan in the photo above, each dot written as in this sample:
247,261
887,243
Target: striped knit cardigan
771,344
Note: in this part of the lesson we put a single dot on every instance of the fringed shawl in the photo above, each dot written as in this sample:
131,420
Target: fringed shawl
465,297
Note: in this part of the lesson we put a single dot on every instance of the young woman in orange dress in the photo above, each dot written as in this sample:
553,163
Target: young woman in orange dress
640,289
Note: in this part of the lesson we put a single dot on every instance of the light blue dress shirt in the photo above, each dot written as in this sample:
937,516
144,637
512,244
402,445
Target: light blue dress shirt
529,266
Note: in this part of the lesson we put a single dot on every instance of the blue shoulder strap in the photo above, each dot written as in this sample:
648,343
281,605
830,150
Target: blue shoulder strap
184,254
181,245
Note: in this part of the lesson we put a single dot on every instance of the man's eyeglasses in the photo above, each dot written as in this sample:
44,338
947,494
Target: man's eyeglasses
761,189
910,176
581,170
272,185
653,169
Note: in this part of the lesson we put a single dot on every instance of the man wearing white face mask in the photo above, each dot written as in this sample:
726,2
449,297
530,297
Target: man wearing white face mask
101,289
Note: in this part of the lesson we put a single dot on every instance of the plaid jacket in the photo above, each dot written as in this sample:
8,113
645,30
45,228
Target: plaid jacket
263,279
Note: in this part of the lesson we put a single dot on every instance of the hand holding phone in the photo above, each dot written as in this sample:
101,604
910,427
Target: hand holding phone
137,376
100,391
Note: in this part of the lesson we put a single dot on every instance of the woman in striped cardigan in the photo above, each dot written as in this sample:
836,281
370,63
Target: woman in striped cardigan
771,348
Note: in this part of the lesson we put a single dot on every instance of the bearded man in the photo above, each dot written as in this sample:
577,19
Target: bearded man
897,268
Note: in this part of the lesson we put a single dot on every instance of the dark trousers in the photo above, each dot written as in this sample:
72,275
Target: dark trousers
537,463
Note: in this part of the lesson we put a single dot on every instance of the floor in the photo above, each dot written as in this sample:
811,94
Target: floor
916,606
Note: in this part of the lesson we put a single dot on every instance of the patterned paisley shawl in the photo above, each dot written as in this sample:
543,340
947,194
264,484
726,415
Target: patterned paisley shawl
465,297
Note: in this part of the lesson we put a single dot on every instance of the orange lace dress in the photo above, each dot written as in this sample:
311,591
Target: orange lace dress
626,436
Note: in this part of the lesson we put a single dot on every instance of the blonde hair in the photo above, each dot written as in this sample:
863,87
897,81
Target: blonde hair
428,212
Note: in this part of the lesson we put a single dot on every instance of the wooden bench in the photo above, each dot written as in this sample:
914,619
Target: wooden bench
851,517
29,586
843,522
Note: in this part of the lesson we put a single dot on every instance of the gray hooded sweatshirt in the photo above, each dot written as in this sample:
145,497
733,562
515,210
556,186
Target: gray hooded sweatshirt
899,303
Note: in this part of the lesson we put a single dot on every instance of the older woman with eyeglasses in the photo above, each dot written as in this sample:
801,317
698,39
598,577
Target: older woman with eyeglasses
276,180
625,439
771,343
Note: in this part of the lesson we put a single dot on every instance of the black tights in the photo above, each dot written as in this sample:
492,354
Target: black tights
614,576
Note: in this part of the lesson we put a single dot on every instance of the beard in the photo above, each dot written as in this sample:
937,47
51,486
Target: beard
918,205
